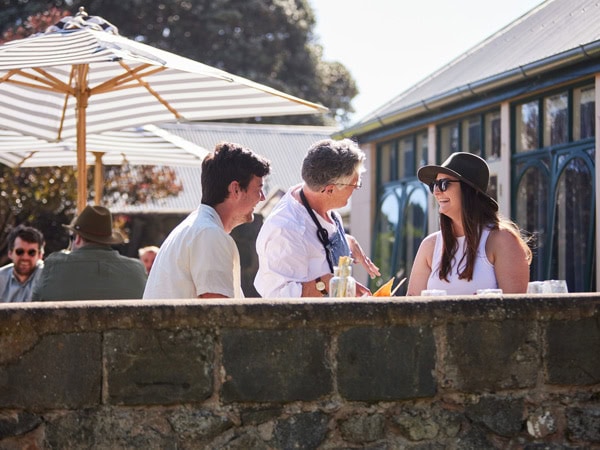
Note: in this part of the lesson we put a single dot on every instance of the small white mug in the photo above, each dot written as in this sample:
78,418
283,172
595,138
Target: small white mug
432,292
489,292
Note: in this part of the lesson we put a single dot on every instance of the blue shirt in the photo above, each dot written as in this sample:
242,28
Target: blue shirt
12,290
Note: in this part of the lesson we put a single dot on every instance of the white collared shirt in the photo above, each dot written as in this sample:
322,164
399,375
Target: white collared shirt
197,257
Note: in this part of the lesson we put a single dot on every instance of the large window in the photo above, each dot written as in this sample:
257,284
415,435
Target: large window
492,136
386,163
400,158
471,136
449,140
527,126
561,123
573,221
400,223
478,134
584,106
400,227
406,159
532,213
421,150
554,183
556,122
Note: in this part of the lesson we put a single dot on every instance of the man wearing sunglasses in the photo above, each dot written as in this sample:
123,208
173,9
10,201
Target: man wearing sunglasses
26,250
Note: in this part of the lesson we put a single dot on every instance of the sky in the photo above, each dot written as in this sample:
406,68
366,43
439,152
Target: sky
390,45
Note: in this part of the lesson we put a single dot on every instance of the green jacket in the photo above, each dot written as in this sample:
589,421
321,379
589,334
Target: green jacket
93,272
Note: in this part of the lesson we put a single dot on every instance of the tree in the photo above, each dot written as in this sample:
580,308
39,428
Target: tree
270,42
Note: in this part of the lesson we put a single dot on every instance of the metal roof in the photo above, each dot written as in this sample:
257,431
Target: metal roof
553,34
284,145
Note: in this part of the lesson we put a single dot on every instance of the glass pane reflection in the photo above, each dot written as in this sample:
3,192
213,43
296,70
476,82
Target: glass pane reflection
572,223
385,236
532,213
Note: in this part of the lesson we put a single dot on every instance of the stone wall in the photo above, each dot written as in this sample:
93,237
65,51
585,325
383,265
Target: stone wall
464,373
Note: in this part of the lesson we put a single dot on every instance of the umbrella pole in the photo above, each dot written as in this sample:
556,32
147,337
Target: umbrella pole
98,181
82,94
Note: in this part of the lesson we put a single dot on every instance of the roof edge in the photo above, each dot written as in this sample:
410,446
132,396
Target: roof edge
568,57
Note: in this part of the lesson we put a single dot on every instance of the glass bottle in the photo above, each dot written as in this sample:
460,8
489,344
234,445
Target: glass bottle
342,284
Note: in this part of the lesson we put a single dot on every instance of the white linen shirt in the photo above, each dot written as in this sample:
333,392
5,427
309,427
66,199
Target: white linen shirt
197,257
289,252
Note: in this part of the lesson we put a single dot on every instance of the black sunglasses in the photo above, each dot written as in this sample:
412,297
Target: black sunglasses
31,252
442,184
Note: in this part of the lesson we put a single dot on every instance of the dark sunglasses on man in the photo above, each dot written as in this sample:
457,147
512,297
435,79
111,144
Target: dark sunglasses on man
31,252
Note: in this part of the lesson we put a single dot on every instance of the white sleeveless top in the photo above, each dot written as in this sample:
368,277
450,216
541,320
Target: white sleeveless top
484,276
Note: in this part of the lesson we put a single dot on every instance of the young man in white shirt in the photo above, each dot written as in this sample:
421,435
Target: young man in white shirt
199,259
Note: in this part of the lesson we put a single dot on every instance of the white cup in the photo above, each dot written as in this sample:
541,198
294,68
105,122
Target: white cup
432,292
489,292
535,287
555,287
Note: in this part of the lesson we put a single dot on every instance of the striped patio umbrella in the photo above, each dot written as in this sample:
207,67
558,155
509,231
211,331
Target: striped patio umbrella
81,77
144,145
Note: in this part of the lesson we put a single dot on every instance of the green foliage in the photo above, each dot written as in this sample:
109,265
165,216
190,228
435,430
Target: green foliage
139,184
40,197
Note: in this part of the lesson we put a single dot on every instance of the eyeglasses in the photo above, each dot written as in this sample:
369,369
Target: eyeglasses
442,184
31,252
358,185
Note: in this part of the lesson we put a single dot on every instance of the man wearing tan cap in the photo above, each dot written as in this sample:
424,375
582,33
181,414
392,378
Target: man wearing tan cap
92,270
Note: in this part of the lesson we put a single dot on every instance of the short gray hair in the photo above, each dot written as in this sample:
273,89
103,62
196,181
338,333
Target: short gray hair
330,161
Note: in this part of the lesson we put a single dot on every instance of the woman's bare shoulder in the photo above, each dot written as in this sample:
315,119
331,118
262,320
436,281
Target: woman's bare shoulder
428,243
504,240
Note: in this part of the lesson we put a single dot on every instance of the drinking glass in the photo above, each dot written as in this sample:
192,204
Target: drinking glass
535,287
555,287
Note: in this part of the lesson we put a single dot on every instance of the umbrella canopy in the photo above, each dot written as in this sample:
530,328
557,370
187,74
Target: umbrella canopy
145,145
82,77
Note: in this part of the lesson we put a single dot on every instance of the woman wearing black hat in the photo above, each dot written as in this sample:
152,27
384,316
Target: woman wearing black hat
475,248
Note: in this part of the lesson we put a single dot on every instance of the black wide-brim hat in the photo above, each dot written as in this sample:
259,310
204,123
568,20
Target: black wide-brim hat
467,167
95,224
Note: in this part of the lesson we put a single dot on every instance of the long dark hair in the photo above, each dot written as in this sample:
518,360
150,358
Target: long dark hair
477,213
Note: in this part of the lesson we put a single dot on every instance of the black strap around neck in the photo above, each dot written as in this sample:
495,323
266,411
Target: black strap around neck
322,233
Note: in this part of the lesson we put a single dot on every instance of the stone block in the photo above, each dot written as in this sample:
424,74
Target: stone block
363,428
387,363
491,356
59,371
149,367
303,431
275,365
573,352
110,428
198,425
584,424
18,423
504,416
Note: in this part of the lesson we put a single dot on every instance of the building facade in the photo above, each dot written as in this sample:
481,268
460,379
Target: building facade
526,100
